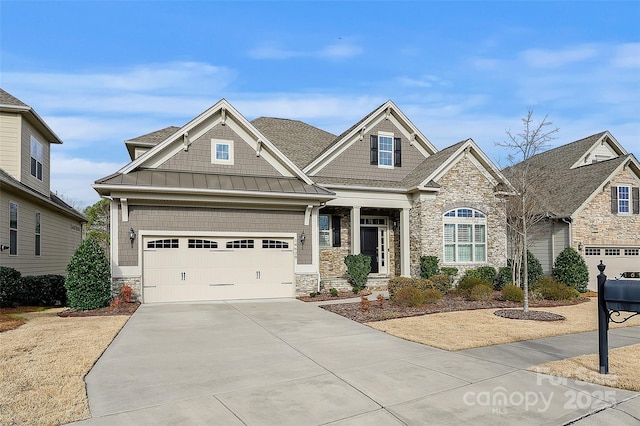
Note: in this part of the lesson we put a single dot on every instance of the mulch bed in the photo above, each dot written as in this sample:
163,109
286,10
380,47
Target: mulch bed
529,315
447,304
121,309
324,296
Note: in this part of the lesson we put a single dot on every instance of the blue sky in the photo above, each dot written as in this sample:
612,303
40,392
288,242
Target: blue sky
103,72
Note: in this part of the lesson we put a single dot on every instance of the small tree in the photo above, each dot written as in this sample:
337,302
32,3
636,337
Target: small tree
358,268
526,208
571,269
88,281
99,225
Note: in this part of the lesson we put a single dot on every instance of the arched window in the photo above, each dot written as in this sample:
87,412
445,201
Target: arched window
465,236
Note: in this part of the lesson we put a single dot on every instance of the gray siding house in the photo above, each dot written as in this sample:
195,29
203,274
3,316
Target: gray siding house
227,208
38,231
591,193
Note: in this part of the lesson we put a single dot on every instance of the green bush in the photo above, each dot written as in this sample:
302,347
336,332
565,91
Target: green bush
571,269
550,289
358,268
487,273
428,266
503,278
409,296
441,282
398,283
44,290
467,283
334,292
432,295
88,281
481,292
449,271
512,293
9,286
534,269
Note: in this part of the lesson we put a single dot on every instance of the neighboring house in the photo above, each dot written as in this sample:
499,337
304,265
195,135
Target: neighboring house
226,208
591,195
38,231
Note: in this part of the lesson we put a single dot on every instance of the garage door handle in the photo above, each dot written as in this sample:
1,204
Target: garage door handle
219,285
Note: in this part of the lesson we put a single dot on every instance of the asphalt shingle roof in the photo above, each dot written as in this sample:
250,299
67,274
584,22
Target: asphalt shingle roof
8,99
297,140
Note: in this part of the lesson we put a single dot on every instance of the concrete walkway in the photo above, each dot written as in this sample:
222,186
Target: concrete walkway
284,362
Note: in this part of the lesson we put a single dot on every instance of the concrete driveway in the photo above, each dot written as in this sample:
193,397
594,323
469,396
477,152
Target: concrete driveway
284,362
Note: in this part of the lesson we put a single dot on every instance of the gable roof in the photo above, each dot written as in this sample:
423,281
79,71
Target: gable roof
566,186
224,113
299,141
9,103
149,140
349,136
52,201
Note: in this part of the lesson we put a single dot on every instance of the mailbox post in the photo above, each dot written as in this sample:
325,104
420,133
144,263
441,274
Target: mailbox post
613,296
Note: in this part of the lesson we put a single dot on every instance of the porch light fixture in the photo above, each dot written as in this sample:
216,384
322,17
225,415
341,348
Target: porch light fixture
132,236
3,247
302,238
580,247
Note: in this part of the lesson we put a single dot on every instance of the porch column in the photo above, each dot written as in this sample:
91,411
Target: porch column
355,230
405,246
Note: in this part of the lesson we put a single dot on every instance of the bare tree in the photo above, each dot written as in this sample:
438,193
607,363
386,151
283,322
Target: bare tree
99,226
527,207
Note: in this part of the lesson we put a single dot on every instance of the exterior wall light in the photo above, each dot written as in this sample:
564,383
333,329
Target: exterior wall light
580,247
302,238
3,247
132,236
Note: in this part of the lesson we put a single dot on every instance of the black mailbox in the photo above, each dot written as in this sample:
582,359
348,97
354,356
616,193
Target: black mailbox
622,295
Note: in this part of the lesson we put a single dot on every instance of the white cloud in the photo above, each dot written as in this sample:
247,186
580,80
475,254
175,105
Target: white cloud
627,56
546,58
339,50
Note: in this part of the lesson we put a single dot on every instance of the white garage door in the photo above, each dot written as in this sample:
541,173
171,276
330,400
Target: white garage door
208,268
617,260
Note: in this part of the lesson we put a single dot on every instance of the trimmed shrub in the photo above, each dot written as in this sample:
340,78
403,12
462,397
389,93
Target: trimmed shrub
432,295
441,282
512,293
428,266
571,269
333,292
358,268
481,292
534,269
449,271
503,278
397,283
9,286
487,273
467,283
409,296
550,289
44,290
88,281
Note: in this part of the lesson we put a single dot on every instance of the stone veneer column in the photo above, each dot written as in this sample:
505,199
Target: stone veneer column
405,246
355,230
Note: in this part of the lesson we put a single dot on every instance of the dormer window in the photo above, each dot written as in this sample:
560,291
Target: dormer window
36,158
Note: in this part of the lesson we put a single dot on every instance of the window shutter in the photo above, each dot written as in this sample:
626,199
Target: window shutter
636,199
614,199
397,153
373,146
335,226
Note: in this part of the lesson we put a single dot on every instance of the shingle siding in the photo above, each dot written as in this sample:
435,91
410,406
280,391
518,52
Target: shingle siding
198,157
197,219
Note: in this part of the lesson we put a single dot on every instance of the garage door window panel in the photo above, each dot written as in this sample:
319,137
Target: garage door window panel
163,244
240,244
274,244
197,243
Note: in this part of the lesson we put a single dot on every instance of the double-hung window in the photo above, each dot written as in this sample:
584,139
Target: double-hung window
385,150
465,236
325,230
624,196
36,158
13,229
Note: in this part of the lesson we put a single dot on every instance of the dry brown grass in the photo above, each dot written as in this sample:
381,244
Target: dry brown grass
44,363
624,368
454,331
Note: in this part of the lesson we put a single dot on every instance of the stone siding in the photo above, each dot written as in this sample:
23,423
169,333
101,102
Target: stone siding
596,225
306,283
133,282
462,186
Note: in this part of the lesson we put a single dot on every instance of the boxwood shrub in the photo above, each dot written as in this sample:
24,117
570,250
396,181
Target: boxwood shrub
571,269
88,281
512,293
358,268
9,286
428,266
45,290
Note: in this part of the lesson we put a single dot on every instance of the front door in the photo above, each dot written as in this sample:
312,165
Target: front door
369,246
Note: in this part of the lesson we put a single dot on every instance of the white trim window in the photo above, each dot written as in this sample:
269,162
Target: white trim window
624,199
36,158
385,150
221,151
325,230
13,229
37,234
465,236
